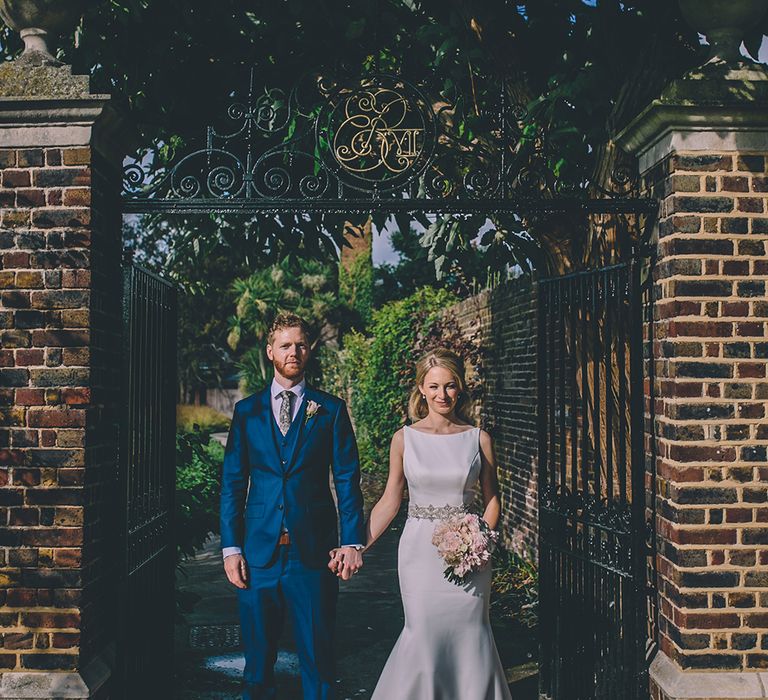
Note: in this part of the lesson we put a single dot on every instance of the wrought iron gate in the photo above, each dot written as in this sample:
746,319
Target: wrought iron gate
381,145
596,498
147,482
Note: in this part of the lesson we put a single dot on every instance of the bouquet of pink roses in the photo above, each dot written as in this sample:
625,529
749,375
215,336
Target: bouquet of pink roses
465,543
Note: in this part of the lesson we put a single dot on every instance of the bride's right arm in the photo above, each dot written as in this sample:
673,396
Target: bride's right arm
388,505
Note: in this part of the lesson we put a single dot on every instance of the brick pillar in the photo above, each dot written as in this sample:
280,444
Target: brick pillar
60,317
703,149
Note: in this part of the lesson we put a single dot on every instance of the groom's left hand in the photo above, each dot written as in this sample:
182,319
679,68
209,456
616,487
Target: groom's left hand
351,562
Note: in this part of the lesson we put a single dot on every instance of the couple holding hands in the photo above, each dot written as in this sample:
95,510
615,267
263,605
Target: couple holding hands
280,539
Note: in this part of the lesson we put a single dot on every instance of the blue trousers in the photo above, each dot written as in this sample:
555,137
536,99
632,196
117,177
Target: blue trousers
309,596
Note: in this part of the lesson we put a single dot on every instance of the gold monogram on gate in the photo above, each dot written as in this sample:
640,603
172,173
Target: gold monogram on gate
375,137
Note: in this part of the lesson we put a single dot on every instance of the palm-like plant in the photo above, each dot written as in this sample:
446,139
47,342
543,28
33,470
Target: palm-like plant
305,287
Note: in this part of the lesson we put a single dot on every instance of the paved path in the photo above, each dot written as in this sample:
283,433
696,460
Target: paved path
370,617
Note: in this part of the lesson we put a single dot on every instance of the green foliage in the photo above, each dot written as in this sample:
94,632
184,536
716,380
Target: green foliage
192,418
356,286
306,287
466,276
380,370
330,370
198,468
515,587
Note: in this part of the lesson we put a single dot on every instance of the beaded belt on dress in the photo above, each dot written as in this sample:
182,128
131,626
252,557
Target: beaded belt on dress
435,512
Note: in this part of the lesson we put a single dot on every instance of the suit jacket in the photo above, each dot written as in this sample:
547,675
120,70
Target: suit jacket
262,484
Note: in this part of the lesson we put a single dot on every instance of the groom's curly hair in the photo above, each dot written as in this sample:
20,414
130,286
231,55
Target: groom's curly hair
289,320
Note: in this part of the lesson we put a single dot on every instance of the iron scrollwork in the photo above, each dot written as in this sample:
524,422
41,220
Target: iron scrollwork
375,141
380,135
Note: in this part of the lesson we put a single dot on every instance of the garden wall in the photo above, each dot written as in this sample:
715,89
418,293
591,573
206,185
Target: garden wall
503,323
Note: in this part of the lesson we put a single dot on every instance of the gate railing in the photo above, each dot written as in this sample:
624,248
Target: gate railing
594,555
147,483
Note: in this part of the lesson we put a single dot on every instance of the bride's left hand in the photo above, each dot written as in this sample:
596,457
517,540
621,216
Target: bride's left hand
336,560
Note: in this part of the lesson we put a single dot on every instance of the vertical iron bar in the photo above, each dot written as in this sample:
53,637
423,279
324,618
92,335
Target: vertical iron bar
504,140
575,300
586,461
157,400
608,355
546,583
622,300
551,386
584,382
561,377
653,592
596,360
170,375
143,427
637,440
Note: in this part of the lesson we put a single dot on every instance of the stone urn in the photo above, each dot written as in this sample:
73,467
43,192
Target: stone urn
36,20
724,23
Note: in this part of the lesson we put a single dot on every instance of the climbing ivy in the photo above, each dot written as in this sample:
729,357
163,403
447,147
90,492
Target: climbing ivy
356,286
379,369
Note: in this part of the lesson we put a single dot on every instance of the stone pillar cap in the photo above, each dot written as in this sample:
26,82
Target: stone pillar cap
47,106
712,99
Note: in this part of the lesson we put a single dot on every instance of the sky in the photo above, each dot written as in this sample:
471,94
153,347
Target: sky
763,55
382,250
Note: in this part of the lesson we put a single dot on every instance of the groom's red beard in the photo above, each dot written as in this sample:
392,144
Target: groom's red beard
289,370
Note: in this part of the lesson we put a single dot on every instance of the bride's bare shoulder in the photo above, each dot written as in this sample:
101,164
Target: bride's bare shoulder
398,436
486,442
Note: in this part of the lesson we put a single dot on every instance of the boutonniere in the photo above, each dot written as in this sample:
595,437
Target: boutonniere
312,408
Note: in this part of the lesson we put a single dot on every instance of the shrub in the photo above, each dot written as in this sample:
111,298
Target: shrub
205,417
356,286
515,587
379,370
198,467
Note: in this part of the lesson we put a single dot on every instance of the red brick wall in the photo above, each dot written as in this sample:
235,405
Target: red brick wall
711,389
504,321
59,307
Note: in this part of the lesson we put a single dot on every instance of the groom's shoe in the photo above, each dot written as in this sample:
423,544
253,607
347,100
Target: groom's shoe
257,691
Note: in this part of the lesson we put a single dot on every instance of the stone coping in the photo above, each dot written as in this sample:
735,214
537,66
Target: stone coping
88,120
662,128
677,684
41,685
22,78
47,106
729,107
18,111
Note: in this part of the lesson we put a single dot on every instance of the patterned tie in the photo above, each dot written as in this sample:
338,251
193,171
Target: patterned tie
285,411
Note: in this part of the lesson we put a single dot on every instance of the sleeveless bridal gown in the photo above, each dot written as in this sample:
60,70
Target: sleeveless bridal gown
446,650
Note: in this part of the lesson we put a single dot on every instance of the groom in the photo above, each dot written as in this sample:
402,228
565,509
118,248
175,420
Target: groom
278,520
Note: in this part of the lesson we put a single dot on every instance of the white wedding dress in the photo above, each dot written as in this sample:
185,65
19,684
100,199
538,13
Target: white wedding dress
446,650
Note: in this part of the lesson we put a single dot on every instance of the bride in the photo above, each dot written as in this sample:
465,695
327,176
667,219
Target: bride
446,649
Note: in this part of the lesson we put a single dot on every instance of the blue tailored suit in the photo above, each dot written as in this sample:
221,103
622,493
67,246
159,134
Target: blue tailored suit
270,482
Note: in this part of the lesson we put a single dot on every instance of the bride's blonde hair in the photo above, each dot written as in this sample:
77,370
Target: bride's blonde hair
440,357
